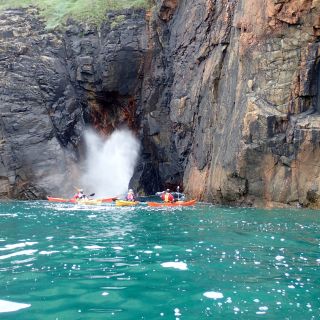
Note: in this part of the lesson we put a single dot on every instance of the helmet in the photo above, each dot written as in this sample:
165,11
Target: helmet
168,190
80,190
130,190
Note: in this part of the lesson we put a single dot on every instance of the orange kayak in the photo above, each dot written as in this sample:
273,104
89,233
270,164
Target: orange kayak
172,204
52,199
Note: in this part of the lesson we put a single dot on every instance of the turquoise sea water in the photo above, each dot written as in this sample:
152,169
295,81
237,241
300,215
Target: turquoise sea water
60,261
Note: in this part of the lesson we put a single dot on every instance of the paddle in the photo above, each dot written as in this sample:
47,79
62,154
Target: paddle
178,192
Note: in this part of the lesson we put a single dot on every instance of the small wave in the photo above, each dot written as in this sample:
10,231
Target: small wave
8,215
24,252
94,247
25,261
117,248
17,245
48,252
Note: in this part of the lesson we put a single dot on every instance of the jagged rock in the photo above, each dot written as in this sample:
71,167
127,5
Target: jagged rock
167,8
313,196
233,189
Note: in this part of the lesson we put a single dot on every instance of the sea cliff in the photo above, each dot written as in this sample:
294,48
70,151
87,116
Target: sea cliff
224,96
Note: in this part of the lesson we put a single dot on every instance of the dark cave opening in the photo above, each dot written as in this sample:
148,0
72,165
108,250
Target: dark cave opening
108,111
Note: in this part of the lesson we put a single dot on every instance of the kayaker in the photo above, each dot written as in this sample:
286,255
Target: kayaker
130,196
80,195
167,196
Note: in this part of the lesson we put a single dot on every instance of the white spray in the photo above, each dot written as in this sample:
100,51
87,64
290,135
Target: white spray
110,163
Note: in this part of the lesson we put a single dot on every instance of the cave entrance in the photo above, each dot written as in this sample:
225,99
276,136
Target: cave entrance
108,111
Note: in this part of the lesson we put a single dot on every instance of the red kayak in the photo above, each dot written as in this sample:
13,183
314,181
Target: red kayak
72,200
172,204
58,199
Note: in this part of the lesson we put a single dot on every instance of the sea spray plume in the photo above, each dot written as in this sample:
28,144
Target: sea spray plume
109,163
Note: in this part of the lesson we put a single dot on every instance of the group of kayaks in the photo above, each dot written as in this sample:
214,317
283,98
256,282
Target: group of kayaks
122,203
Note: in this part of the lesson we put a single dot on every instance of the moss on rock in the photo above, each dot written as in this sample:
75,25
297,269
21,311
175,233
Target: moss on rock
56,12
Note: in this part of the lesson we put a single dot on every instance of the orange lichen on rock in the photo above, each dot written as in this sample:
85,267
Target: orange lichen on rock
195,182
291,11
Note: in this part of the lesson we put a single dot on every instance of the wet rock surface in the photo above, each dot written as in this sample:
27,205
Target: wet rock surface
239,101
224,96
38,113
52,85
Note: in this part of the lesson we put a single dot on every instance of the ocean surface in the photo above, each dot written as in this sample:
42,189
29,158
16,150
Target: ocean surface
61,261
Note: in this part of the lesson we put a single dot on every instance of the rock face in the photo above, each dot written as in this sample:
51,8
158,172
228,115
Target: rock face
53,84
224,95
239,100
39,116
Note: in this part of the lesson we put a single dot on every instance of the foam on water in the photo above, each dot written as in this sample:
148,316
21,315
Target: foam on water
263,308
9,306
213,295
175,265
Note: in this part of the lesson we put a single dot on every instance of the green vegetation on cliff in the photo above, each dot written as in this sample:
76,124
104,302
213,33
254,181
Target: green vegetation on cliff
57,12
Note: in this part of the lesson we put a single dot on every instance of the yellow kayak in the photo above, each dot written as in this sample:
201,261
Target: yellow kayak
124,203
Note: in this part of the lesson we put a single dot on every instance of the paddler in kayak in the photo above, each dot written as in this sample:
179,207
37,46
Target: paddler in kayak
80,195
167,196
130,196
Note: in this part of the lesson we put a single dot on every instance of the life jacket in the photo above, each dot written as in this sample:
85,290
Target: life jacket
130,197
168,197
80,195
